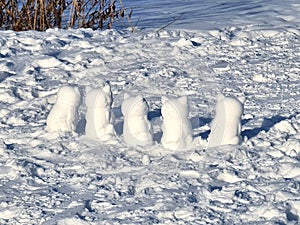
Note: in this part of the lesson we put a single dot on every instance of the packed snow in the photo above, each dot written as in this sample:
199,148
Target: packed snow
63,115
226,126
61,91
99,122
137,130
176,127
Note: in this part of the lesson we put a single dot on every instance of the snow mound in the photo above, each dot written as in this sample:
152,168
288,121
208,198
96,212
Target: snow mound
98,116
63,116
177,129
137,129
226,126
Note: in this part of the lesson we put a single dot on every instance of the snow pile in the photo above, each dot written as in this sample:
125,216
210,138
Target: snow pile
177,129
63,116
226,126
98,116
137,129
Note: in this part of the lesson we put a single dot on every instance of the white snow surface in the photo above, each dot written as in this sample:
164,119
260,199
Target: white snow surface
70,179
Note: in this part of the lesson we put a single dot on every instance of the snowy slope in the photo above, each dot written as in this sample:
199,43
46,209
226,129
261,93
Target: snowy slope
70,179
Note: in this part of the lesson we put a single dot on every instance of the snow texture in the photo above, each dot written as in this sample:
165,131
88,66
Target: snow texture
98,115
226,126
63,116
49,179
137,130
177,129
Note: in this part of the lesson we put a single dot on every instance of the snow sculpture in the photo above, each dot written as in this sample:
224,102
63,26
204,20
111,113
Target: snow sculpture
63,115
226,126
137,130
98,117
177,129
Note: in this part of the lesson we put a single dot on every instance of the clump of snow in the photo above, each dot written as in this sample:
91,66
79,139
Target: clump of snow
98,116
72,221
8,214
63,116
177,129
48,62
226,126
146,160
292,147
285,127
137,130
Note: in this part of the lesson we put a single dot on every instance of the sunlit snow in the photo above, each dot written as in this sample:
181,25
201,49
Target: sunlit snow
67,174
226,126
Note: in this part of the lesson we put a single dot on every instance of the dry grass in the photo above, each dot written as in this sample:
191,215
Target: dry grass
21,15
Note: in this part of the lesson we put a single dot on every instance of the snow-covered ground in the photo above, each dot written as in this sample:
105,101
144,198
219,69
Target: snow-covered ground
46,178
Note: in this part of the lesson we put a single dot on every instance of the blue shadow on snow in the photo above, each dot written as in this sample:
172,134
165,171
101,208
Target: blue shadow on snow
266,125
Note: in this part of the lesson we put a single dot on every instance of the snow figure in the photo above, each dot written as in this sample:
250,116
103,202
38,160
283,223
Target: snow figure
177,129
63,115
98,116
226,126
137,130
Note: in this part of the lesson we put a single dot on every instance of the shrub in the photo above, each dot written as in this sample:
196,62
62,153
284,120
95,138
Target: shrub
21,15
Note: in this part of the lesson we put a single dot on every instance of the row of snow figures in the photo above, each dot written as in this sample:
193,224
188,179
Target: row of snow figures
137,130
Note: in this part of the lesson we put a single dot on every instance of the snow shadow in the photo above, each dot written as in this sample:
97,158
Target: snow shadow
119,128
117,114
80,128
4,75
198,122
245,121
266,125
157,136
204,135
152,115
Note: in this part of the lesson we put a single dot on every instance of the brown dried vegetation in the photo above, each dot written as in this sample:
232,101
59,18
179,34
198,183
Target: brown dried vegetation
21,15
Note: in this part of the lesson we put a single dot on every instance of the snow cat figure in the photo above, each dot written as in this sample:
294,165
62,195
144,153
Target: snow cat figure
226,126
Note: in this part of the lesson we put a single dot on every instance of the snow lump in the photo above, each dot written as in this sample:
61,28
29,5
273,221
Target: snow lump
63,115
177,129
98,116
226,126
137,130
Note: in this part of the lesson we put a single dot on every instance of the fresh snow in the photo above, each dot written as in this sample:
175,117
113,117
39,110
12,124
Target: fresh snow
70,178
